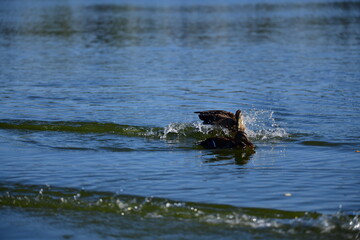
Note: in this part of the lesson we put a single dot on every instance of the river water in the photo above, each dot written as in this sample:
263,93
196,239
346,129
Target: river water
98,132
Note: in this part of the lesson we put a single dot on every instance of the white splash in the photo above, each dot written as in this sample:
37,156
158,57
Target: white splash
185,129
261,125
202,128
173,128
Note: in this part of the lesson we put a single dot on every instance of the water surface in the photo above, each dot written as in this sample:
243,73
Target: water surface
98,135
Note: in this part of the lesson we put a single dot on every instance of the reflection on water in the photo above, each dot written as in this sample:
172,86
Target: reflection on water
239,157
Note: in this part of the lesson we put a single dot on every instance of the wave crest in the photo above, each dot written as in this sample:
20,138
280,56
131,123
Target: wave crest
261,126
271,221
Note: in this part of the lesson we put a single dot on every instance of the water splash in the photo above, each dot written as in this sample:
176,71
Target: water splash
261,125
195,130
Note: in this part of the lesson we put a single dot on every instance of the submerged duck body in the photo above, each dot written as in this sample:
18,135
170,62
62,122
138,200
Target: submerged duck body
217,142
234,122
240,141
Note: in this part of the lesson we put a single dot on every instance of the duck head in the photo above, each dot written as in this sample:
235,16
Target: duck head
240,121
242,141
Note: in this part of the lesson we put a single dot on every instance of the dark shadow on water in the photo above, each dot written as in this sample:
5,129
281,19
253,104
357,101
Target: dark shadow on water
240,157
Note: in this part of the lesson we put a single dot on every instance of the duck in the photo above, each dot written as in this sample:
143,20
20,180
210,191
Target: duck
234,122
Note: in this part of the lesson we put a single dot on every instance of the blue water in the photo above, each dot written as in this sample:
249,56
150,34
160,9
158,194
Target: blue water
97,99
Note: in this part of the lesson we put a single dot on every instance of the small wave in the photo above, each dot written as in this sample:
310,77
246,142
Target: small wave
261,126
322,143
270,221
81,127
172,130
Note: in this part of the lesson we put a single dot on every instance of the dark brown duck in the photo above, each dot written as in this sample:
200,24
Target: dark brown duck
234,122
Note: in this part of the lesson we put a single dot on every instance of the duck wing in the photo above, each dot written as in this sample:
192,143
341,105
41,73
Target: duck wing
218,117
216,112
